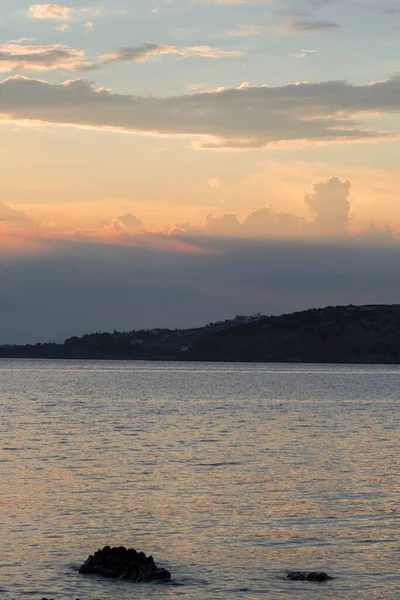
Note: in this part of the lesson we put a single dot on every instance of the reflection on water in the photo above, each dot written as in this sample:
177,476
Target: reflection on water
228,475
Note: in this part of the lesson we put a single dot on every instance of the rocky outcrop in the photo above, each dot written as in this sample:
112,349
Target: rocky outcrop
120,563
304,576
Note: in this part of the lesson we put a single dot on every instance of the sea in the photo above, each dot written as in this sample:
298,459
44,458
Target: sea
229,475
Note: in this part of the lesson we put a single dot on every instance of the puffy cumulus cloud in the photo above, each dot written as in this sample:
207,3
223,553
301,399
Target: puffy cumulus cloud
378,235
266,221
128,230
60,12
150,50
329,206
262,222
131,223
329,203
11,215
223,224
125,224
249,117
16,56
182,228
64,12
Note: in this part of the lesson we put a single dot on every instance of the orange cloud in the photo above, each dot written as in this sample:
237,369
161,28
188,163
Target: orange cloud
59,12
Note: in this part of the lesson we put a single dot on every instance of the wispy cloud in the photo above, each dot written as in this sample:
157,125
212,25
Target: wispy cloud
249,30
18,57
232,2
304,53
307,26
149,50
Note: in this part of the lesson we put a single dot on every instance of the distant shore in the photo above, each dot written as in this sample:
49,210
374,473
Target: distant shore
333,335
200,361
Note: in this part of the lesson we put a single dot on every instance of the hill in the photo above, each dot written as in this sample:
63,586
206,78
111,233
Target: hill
144,344
340,334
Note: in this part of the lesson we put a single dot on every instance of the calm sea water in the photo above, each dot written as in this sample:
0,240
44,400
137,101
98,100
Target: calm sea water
228,475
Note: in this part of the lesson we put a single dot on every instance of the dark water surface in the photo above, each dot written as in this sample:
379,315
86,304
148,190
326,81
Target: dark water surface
227,474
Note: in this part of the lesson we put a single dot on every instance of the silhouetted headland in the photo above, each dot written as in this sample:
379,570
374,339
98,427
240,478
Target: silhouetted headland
338,334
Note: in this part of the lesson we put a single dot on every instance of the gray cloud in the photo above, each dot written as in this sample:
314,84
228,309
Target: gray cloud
151,50
307,7
16,56
131,222
376,235
75,288
307,26
249,117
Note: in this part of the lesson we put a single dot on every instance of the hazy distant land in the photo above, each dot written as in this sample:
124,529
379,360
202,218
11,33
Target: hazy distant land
340,334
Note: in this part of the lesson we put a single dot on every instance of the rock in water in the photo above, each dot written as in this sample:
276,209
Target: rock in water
120,563
304,576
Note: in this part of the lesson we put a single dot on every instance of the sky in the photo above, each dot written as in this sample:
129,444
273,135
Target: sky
175,162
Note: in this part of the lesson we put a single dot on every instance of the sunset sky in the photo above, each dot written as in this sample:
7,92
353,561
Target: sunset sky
172,162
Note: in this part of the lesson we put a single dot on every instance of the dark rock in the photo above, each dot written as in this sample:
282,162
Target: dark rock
305,576
120,563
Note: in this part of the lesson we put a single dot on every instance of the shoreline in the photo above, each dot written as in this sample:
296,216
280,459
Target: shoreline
201,361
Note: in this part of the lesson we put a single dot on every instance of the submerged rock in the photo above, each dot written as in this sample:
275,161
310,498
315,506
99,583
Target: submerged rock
305,576
120,563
